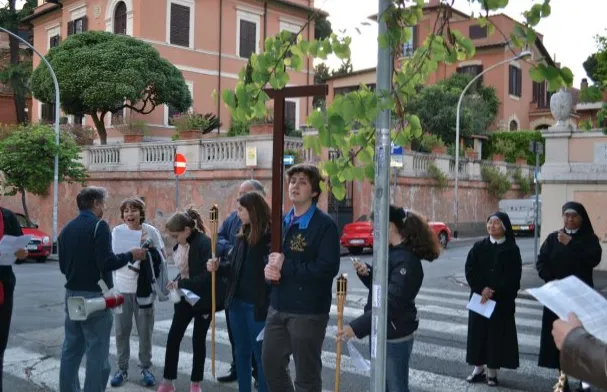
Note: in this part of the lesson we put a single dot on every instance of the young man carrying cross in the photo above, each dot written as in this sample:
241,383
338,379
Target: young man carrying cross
300,301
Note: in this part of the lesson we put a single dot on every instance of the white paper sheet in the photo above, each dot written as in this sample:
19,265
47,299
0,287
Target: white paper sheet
475,305
357,358
260,336
9,245
190,296
571,295
125,239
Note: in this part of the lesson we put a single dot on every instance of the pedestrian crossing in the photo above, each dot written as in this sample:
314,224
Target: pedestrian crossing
437,363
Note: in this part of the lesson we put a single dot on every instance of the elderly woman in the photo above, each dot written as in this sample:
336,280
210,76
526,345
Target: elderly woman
572,250
493,271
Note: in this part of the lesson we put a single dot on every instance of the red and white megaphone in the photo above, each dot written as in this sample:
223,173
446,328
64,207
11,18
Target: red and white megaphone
79,308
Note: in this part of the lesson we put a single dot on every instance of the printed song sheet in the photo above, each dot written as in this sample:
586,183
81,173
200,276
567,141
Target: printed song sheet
485,310
9,245
125,239
571,295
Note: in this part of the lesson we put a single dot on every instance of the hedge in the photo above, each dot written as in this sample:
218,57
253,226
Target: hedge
521,140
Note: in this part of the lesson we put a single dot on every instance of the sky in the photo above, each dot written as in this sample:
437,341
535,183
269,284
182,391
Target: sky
568,32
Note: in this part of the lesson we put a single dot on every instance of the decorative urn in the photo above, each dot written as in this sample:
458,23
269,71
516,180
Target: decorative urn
560,106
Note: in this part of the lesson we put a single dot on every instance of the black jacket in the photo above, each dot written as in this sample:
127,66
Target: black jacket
405,277
11,227
86,255
231,269
199,281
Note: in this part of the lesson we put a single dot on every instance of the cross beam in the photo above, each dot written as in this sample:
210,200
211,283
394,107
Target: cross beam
278,149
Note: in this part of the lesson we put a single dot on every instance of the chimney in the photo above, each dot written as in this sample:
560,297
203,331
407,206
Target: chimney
584,84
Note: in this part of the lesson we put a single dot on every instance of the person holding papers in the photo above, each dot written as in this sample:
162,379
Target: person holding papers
138,301
191,254
411,240
572,250
248,299
493,272
9,225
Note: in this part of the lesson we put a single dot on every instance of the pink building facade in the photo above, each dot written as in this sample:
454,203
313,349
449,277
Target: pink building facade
209,41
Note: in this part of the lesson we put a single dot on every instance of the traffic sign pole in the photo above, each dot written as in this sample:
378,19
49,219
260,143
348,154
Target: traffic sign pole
179,168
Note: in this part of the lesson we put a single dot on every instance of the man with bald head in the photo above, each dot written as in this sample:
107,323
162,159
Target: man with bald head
226,238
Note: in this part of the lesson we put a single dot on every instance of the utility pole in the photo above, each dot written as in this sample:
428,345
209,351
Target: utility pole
381,209
537,148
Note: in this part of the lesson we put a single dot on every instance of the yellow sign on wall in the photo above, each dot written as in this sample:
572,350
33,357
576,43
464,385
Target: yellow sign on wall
251,156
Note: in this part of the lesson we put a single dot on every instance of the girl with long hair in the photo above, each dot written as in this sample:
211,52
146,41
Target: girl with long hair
191,253
247,299
411,241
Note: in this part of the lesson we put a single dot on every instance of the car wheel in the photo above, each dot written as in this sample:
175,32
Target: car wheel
443,239
41,259
355,250
19,261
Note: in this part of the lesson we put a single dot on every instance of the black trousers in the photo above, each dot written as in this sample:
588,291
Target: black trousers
184,313
253,362
6,312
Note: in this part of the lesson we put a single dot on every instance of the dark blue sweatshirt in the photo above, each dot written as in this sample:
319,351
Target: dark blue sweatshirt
312,260
83,259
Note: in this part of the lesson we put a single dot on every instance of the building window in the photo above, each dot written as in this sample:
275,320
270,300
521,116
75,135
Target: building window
247,37
120,18
410,46
76,26
117,118
293,29
541,97
78,119
180,29
472,70
291,114
54,41
477,32
513,125
47,112
515,81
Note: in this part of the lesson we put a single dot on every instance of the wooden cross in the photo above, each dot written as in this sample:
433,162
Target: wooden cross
278,149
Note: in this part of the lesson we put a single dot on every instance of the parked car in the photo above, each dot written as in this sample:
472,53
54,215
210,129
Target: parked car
39,247
358,235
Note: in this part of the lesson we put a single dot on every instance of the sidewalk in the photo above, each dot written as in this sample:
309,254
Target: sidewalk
530,279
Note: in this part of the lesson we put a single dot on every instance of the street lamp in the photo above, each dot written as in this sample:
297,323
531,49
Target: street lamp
519,56
57,117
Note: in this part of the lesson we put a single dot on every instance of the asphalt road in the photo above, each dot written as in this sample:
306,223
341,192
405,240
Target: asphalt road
438,361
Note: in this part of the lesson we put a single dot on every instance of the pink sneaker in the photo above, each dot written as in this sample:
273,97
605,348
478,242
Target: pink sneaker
166,387
195,387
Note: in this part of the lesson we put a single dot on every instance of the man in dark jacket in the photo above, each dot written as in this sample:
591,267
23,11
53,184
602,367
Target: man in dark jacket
85,257
300,299
226,238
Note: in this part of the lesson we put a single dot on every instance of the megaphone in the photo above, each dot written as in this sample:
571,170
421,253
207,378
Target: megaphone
79,308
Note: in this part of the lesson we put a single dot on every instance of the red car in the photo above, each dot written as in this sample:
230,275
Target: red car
39,247
359,235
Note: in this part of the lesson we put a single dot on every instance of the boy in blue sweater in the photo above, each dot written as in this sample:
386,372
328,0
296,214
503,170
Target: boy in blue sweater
301,300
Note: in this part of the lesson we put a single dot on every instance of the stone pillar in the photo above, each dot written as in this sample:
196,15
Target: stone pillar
574,170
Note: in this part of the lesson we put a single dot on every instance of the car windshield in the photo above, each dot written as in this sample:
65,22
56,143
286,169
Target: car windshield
24,222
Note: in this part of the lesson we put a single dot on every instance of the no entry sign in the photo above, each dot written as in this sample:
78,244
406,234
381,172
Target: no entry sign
180,164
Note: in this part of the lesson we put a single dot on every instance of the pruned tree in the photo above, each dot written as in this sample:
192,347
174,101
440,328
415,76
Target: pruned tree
100,73
25,174
16,65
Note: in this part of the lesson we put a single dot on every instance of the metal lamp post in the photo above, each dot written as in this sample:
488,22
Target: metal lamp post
521,55
57,116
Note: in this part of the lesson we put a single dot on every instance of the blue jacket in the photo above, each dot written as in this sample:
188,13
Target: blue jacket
85,256
226,237
312,261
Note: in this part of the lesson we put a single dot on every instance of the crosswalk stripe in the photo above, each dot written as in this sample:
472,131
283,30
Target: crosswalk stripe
466,294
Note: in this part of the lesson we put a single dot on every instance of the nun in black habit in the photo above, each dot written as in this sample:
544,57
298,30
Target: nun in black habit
572,250
493,270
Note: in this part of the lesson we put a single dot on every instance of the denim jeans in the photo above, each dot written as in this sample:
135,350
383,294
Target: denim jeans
397,365
90,337
245,331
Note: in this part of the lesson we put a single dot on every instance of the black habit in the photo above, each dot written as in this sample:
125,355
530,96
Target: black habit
493,342
558,261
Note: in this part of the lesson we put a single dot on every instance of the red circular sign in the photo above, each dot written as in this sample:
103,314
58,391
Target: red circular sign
179,166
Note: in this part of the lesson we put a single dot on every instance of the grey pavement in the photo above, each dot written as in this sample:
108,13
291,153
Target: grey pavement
438,361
